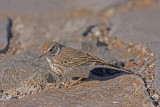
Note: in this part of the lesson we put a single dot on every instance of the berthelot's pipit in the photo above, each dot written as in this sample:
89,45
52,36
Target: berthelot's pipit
67,61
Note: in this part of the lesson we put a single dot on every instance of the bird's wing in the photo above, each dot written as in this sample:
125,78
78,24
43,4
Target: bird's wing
74,57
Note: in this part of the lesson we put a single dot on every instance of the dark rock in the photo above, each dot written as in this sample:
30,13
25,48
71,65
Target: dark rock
3,35
155,103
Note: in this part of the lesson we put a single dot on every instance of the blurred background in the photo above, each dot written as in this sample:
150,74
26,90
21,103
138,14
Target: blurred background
33,22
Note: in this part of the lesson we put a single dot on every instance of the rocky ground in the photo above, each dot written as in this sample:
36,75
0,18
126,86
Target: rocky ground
122,32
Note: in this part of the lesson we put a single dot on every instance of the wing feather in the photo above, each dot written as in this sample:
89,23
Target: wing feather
73,57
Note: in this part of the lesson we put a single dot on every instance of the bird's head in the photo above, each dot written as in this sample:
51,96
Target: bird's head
49,49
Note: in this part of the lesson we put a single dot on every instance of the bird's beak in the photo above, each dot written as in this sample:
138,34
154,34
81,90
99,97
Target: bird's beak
42,56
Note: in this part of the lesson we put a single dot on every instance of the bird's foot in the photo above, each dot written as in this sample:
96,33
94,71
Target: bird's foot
75,81
63,81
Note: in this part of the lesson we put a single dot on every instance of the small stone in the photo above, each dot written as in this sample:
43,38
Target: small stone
146,58
149,85
156,96
147,73
150,70
151,75
142,69
96,32
140,64
120,64
155,103
136,68
150,60
152,54
115,102
132,58
133,69
89,36
114,62
150,81
129,64
151,91
152,65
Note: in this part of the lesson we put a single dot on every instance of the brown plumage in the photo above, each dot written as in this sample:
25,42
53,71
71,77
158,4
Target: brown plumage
72,62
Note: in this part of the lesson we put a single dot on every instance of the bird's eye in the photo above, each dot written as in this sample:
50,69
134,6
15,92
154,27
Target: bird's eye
50,50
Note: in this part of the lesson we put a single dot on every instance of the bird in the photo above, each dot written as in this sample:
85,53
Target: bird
71,62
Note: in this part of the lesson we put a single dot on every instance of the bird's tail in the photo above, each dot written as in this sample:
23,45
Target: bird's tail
114,67
107,65
119,68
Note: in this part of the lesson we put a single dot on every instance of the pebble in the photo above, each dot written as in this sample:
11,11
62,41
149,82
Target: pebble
140,64
129,64
150,81
151,76
149,86
150,70
146,58
150,60
155,96
136,68
119,63
152,54
115,102
132,58
151,91
89,36
133,70
113,61
96,32
142,69
155,103
151,65
147,73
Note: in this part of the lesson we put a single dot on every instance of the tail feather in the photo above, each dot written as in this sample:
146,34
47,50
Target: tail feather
93,58
115,67
110,66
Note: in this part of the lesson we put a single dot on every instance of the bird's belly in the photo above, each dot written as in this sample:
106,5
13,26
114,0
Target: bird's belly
57,69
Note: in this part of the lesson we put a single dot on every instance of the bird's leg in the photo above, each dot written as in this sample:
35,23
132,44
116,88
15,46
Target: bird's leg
75,81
